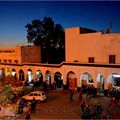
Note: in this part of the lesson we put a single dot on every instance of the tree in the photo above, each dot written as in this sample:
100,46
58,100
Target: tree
50,37
6,94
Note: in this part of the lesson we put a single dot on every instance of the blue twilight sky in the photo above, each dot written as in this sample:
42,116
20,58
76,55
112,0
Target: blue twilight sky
15,15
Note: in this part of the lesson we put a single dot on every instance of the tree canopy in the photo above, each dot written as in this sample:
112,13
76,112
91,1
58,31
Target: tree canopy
50,37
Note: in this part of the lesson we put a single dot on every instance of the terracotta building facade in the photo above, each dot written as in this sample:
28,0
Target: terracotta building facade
92,58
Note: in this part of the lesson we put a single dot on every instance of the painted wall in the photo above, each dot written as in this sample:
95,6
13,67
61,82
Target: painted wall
21,54
97,45
9,55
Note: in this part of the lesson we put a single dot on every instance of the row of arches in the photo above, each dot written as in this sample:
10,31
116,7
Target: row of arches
71,79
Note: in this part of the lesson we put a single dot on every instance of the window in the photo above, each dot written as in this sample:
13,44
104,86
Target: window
10,61
16,61
35,94
31,94
91,59
75,60
112,59
5,60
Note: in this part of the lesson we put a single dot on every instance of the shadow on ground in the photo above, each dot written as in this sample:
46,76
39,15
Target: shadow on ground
51,98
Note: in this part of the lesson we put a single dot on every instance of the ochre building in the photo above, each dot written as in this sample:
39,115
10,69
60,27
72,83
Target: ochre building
91,58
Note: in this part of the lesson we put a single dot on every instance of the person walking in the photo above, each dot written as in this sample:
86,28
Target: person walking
33,105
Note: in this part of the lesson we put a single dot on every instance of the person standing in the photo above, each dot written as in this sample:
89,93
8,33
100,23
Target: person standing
33,105
88,92
80,95
83,105
21,106
45,86
99,109
86,112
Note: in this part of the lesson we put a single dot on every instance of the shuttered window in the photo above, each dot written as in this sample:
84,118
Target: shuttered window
112,59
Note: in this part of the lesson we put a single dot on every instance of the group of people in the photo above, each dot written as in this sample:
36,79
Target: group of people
115,94
31,107
91,111
91,92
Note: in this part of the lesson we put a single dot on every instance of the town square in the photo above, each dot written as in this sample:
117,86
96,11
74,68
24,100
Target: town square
59,60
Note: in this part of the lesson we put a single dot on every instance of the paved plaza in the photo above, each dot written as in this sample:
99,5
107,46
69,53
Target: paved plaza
59,106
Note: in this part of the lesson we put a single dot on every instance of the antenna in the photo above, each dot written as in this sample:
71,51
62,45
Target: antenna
109,30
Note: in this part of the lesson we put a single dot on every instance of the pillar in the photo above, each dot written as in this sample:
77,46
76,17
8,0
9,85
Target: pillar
52,78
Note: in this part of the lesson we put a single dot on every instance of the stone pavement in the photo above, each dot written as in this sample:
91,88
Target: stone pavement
59,106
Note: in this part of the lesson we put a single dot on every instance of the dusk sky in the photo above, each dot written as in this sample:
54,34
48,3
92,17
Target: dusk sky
15,15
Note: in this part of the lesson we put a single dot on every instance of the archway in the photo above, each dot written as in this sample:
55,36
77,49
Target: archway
14,73
100,83
71,80
2,76
29,75
48,77
7,73
21,75
2,72
58,81
113,80
86,79
39,76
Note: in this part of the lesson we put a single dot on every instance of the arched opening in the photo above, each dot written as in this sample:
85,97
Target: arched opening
21,75
7,73
100,83
29,76
39,77
2,72
48,77
113,81
14,73
2,76
71,80
86,80
58,81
